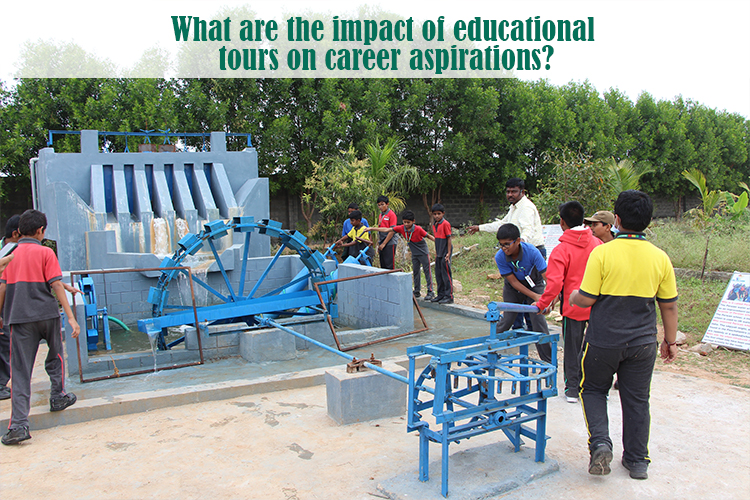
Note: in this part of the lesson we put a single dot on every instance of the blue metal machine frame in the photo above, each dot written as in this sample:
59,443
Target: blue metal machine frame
463,385
239,306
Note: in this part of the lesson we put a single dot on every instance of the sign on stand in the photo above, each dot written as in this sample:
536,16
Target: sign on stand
730,326
552,233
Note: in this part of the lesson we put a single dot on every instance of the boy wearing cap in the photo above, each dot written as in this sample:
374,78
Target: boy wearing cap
601,224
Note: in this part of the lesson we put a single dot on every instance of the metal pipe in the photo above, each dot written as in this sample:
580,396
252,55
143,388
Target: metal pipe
334,351
141,372
516,308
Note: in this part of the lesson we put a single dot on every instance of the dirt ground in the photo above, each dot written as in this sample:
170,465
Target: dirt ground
282,445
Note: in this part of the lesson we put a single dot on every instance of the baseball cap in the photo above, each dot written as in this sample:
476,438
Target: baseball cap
602,216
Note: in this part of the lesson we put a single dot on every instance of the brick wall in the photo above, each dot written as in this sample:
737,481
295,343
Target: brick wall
459,209
378,301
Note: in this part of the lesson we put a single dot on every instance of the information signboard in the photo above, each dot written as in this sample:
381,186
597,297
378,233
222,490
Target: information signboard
730,326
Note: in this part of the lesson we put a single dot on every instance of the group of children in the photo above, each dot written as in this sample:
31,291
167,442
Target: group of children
355,240
608,284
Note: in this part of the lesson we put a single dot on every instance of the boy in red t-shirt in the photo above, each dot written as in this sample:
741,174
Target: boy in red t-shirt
28,306
386,241
443,250
565,268
420,254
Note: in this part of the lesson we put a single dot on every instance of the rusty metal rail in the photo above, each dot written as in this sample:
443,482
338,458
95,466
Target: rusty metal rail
361,276
117,373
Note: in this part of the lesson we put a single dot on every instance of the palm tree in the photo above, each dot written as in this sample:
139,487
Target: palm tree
625,174
392,177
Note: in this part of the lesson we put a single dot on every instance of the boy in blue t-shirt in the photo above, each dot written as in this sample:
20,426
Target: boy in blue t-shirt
523,268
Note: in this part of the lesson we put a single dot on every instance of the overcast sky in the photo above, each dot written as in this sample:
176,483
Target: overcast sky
697,49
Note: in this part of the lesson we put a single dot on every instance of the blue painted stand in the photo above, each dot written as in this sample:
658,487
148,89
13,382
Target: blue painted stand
463,385
94,315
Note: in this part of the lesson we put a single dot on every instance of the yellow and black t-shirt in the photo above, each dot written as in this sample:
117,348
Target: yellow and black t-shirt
625,276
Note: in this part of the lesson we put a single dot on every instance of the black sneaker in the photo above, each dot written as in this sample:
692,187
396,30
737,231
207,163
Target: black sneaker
15,436
429,297
600,459
59,404
436,299
4,392
416,293
638,470
446,300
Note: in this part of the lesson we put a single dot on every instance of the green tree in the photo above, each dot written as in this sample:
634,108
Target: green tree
575,176
717,208
340,180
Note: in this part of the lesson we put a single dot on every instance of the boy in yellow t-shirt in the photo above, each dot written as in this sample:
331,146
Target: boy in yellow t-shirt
358,238
621,281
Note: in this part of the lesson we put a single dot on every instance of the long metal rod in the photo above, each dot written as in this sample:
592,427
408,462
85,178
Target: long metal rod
145,269
141,372
195,313
328,316
378,369
245,253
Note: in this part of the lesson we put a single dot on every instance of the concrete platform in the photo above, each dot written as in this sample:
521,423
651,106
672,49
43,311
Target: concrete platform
215,431
220,379
474,473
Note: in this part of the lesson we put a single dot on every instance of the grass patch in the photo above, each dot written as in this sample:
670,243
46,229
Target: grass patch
726,251
696,305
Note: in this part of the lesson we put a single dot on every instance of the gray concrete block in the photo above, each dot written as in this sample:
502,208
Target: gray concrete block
126,363
366,395
191,340
131,297
270,344
114,286
95,367
228,339
180,356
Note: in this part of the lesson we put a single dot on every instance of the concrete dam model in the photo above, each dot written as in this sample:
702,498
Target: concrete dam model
119,210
